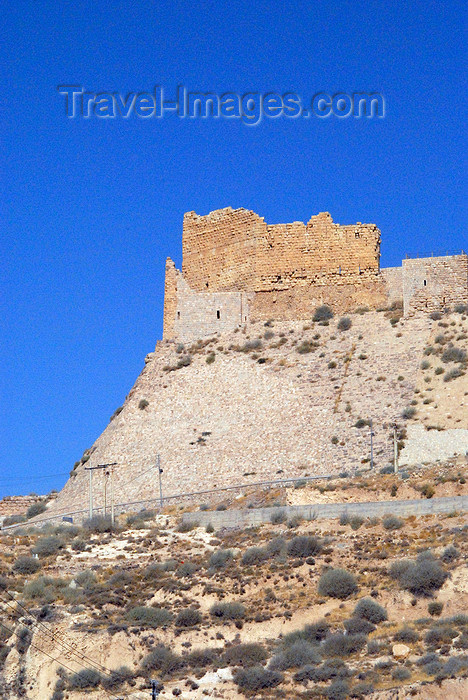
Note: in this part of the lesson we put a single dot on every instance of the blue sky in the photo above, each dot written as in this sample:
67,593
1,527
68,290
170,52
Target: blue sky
91,208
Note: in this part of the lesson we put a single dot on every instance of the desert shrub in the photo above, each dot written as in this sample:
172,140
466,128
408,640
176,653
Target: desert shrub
188,618
228,611
186,569
440,634
406,634
141,515
278,516
454,665
26,565
186,526
337,583
331,364
435,608
163,660
201,658
358,625
338,690
425,364
388,469
345,518
47,546
249,345
454,354
23,640
143,404
276,547
449,554
401,673
120,579
98,524
36,509
86,578
303,546
220,558
86,678
43,588
435,315
331,668
78,545
257,678
184,361
427,490
221,507
453,374
254,555
421,577
461,309
339,644
399,568
322,313
211,357
300,484
392,522
356,521
268,335
408,412
368,609
361,423
149,617
116,678
295,521
295,655
244,655
13,520
344,324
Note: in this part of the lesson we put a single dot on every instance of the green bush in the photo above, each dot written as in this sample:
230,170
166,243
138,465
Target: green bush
435,609
449,554
244,655
254,555
314,633
406,634
453,354
295,655
26,565
368,609
338,690
143,404
441,634
86,678
408,412
257,678
201,658
47,546
344,324
220,558
358,625
322,313
117,678
401,673
339,644
392,522
337,583
98,524
188,618
303,547
36,509
331,668
420,577
149,617
277,517
228,611
163,660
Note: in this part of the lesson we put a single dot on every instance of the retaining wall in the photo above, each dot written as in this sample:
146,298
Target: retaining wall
370,509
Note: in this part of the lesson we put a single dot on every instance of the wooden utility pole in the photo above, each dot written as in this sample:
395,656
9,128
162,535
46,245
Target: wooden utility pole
395,448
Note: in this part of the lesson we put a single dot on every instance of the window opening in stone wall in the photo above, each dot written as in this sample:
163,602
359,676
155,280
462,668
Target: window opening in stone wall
425,283
356,234
178,314
218,315
207,285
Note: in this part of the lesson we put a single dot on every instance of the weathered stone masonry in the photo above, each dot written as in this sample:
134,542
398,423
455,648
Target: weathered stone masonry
237,268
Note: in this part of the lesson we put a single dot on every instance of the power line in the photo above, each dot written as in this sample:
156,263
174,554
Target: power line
32,478
67,648
109,695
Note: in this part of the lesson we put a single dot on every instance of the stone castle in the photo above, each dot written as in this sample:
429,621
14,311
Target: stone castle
237,268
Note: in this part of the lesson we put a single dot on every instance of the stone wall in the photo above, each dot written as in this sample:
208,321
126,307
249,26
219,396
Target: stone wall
393,278
434,283
280,271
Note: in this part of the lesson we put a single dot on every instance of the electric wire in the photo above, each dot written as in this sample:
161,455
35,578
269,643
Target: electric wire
66,648
109,695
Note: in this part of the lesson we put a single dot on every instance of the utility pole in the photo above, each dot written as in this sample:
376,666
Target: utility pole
90,470
395,449
160,471
156,687
371,444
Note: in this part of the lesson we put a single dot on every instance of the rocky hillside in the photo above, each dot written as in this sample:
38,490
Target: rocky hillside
286,400
357,608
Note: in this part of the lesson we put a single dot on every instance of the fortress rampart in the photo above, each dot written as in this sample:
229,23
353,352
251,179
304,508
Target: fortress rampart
237,268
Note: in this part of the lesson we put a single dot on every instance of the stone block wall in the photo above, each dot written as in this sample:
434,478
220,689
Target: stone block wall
434,283
393,278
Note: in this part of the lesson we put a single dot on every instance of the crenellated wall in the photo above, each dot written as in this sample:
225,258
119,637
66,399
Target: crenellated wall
237,268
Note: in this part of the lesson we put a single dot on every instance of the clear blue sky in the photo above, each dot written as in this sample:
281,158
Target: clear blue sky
91,208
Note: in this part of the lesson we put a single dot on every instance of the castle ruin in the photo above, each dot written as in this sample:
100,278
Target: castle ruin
237,268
